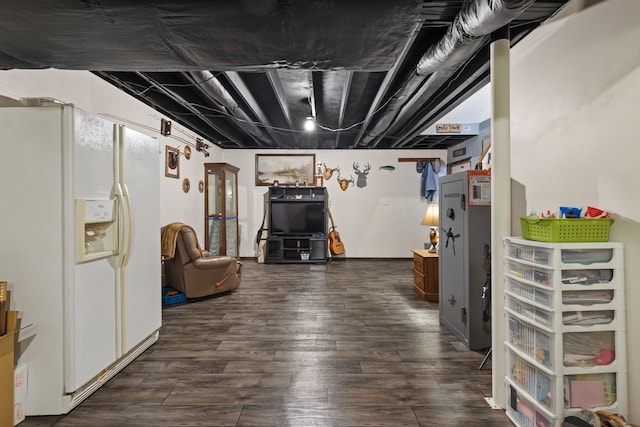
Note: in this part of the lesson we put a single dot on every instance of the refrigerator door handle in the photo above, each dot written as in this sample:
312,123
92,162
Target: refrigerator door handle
121,224
129,236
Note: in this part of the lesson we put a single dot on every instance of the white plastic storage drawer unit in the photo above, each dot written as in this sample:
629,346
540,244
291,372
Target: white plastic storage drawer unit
565,330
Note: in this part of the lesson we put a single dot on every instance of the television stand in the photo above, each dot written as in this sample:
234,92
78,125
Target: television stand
296,250
297,225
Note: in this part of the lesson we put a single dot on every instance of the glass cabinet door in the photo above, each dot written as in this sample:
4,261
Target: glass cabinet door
231,210
221,209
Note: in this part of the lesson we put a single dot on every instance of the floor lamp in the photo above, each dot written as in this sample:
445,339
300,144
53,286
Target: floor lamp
431,218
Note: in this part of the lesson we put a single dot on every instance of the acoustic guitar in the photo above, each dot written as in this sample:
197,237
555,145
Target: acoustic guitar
336,247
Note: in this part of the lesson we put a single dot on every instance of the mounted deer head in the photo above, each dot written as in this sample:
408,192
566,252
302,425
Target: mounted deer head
362,176
328,172
344,182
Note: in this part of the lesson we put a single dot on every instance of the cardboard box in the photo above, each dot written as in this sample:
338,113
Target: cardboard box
20,394
7,364
6,380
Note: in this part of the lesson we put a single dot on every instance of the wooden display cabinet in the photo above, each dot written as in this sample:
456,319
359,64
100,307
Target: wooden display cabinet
221,209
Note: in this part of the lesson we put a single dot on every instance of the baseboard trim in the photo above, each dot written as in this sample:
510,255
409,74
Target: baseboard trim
346,259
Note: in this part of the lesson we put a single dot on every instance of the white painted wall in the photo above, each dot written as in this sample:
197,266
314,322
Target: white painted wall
381,220
575,93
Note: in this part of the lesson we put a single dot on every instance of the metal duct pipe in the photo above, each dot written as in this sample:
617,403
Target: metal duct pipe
187,105
466,34
475,20
420,87
388,115
214,89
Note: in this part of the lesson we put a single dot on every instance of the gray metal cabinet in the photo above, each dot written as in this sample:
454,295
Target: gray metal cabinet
465,238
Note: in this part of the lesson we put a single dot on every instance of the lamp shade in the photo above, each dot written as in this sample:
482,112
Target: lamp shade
431,215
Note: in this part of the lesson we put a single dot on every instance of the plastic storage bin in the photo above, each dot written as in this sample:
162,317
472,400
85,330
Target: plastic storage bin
587,298
587,277
529,292
592,317
531,312
566,230
539,275
171,296
531,341
587,349
537,255
523,412
534,381
590,390
586,256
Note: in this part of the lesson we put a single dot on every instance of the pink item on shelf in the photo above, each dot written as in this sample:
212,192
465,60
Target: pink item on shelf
605,357
587,393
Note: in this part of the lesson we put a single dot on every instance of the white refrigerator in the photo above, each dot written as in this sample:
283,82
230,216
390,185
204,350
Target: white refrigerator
79,247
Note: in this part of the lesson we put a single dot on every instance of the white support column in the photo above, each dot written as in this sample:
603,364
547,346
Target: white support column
501,202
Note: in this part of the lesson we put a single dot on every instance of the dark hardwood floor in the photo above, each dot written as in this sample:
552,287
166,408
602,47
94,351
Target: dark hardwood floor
342,344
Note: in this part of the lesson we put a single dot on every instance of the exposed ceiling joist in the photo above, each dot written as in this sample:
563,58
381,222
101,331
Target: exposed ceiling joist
247,74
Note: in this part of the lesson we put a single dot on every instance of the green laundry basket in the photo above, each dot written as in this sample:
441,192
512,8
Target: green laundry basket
566,229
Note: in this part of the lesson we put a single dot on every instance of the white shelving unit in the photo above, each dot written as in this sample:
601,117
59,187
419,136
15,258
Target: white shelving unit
566,338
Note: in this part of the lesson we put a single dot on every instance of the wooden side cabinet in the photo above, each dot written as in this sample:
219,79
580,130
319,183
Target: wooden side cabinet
425,274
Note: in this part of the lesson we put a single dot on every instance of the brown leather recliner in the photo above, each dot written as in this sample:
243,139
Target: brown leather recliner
195,272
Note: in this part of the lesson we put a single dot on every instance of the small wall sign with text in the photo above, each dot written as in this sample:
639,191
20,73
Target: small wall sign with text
459,152
448,128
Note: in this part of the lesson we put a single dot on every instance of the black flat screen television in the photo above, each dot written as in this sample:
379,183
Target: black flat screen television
302,218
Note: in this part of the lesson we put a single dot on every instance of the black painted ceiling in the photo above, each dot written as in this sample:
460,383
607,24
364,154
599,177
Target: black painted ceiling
246,73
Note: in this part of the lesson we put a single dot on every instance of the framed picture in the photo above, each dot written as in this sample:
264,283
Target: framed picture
285,169
171,162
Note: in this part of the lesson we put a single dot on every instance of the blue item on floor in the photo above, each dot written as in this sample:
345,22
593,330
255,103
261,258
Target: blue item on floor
171,296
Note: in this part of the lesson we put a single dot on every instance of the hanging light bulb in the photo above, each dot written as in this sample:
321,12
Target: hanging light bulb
310,124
